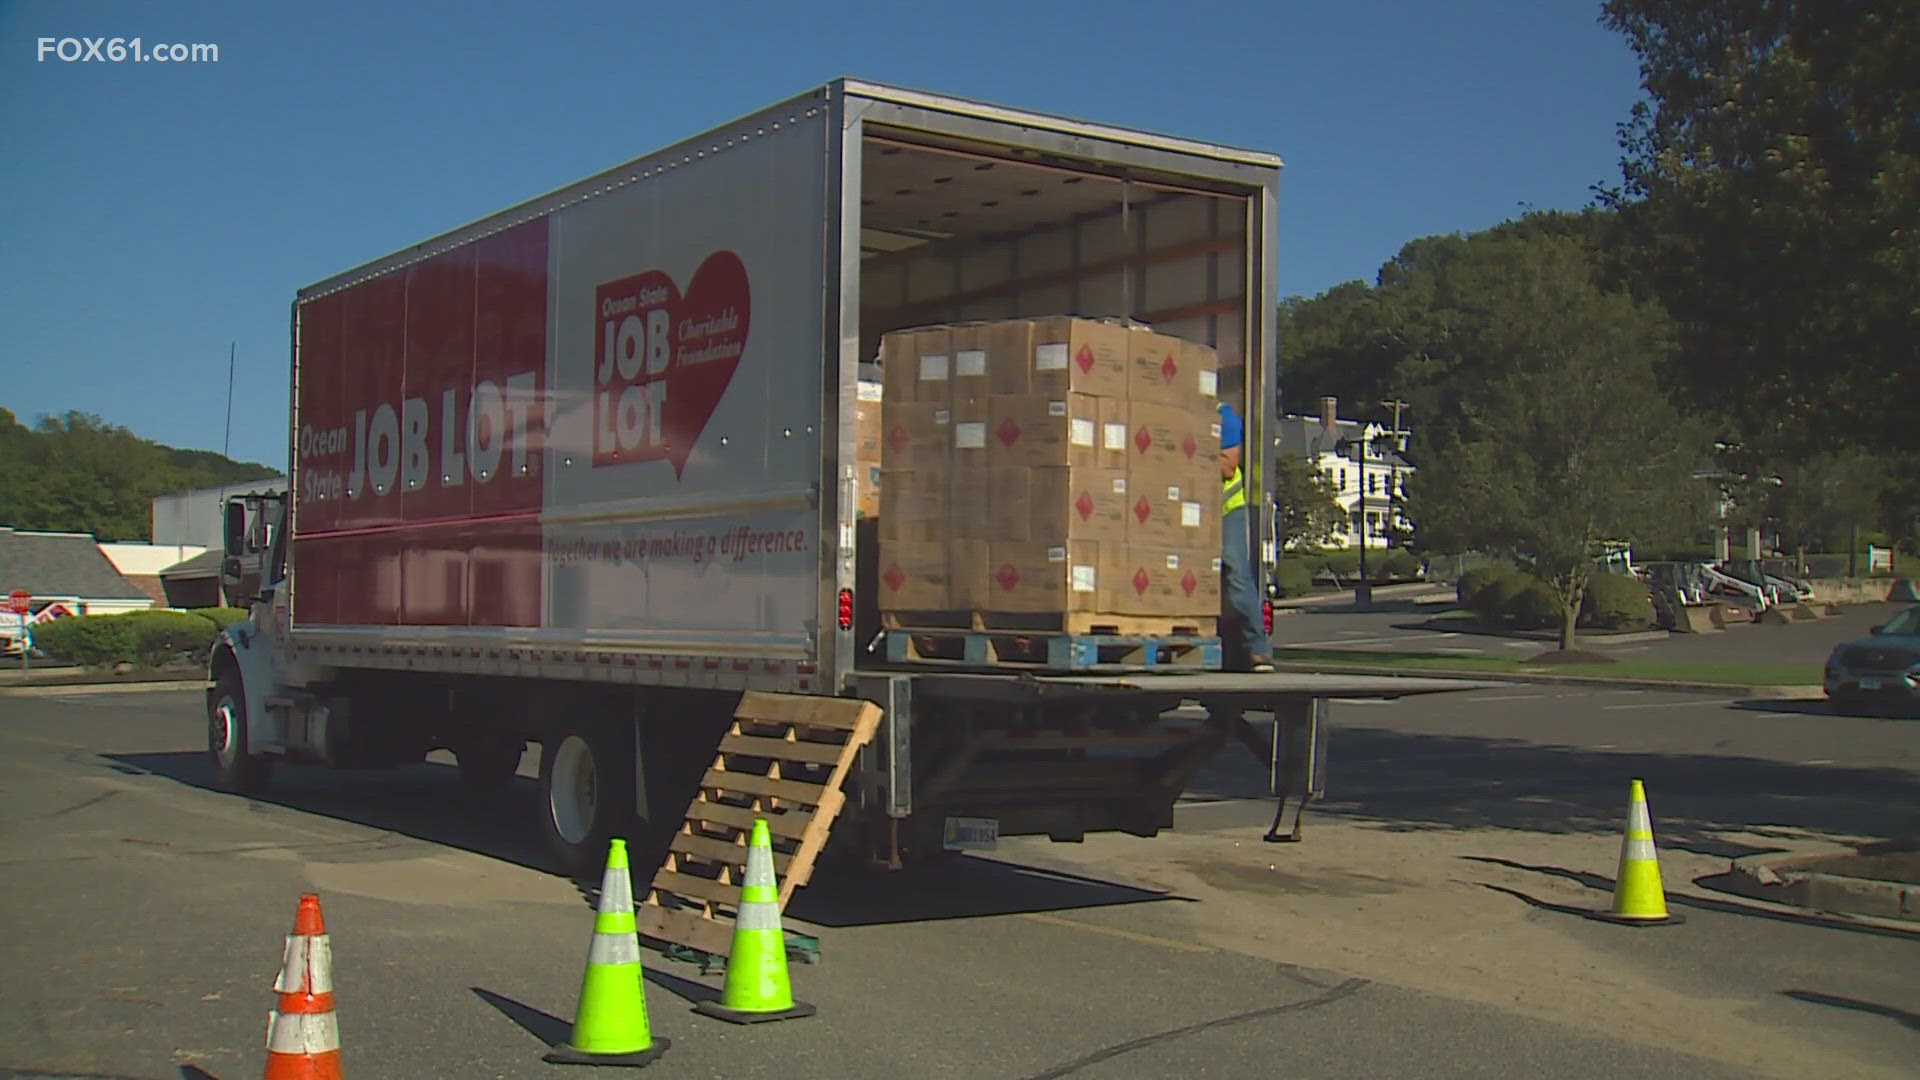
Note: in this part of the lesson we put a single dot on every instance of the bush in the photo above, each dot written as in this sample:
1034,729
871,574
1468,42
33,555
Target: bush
1533,605
1400,565
1343,563
1475,582
1616,602
92,640
161,636
222,617
1296,576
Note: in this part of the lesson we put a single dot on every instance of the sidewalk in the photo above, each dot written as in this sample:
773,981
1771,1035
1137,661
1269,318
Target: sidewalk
1412,592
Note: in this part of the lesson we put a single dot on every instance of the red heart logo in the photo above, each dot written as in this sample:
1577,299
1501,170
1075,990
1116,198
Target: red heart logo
1189,583
1143,439
1143,510
894,577
1008,433
1168,369
1189,447
1084,358
1084,504
1007,577
1141,581
664,360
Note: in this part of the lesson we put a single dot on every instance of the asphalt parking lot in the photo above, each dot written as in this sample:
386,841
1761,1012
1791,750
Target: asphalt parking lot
1428,926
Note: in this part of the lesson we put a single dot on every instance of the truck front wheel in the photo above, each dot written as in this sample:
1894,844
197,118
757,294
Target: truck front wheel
587,791
234,768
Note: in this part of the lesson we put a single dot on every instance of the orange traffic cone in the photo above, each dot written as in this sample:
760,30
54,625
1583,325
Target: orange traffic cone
303,1038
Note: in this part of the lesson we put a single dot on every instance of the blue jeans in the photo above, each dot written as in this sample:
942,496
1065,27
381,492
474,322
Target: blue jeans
1239,598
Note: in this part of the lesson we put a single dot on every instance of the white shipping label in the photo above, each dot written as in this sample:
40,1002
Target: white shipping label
1052,357
1218,564
1173,494
941,416
1080,432
1216,433
1190,515
1056,408
1209,384
969,362
970,436
1173,562
870,390
1113,436
1057,554
933,368
1083,578
1119,485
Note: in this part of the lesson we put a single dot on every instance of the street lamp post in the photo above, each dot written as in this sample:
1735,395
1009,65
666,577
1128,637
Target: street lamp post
1363,589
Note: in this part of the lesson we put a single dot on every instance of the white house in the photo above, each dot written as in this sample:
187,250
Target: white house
1374,485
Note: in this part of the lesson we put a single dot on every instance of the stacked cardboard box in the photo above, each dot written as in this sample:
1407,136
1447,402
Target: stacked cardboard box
867,462
1055,465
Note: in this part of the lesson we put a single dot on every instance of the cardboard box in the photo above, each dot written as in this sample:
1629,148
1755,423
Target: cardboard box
914,506
1009,354
972,497
972,359
1163,370
971,587
1170,438
867,422
1158,582
914,576
1029,577
1168,508
866,489
1031,431
1057,504
1081,356
917,365
918,437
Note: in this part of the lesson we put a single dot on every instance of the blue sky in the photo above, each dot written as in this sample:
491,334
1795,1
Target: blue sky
152,213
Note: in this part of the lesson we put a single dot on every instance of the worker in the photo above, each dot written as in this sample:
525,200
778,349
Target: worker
1243,628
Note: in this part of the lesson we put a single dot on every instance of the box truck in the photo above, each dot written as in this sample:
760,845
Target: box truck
584,473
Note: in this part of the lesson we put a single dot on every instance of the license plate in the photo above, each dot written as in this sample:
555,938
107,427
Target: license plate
1869,683
972,833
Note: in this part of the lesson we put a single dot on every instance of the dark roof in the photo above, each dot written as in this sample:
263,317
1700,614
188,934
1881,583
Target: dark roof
205,564
1306,436
61,564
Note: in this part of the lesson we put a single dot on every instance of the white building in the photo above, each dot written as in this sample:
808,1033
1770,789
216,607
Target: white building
1375,485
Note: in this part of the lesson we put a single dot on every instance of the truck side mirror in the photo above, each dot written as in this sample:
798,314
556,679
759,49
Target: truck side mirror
230,572
236,528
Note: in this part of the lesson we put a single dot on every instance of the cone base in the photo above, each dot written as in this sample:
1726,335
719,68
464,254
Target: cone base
1669,919
567,1055
734,1016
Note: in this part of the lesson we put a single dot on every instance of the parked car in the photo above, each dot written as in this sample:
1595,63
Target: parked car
1882,671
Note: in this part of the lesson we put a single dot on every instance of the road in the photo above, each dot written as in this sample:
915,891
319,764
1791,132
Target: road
1427,927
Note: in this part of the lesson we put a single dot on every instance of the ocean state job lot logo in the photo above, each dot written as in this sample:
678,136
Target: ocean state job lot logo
663,359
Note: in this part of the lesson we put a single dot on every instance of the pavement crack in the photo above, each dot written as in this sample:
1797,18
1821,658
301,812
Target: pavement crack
84,803
1344,990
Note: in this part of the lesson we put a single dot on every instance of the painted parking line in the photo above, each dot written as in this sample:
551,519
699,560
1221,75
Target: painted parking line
1713,702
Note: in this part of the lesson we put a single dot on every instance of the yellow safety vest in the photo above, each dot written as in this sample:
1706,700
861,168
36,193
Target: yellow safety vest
1233,493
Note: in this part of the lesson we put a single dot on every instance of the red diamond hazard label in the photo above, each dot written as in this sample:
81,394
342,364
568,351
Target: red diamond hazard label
898,437
1143,439
1008,433
894,577
1189,448
1006,577
1142,510
1189,583
1141,581
1084,358
1084,504
1169,369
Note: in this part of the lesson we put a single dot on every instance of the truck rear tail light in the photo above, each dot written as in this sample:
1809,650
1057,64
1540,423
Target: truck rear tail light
846,609
1266,614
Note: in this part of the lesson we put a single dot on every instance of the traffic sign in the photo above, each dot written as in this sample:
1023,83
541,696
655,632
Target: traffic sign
20,602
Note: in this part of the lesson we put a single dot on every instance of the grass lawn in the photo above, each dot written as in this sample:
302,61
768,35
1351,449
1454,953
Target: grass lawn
1667,670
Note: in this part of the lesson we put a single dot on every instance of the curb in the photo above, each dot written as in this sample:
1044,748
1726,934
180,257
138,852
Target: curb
1725,689
1788,879
152,686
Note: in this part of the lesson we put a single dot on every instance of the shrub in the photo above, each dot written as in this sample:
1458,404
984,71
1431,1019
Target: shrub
1476,581
1400,565
1533,606
92,640
1343,563
161,636
222,617
1296,577
1616,602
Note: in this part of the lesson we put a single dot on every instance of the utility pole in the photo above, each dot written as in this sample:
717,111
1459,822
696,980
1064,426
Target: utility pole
1397,438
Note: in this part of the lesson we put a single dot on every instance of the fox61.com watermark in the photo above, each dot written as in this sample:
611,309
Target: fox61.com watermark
123,50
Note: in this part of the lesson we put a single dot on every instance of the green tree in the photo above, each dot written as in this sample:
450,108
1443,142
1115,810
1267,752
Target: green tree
1308,511
1772,185
1563,441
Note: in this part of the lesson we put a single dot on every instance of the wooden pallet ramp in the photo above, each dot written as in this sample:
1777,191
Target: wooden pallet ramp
784,760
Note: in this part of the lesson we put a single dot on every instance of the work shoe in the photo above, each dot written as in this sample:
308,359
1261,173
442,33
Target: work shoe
1262,665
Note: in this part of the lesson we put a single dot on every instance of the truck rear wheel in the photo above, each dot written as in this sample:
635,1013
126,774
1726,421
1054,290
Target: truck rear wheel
234,768
586,791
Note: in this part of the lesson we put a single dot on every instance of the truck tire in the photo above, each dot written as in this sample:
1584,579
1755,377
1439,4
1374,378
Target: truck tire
235,769
586,791
486,765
